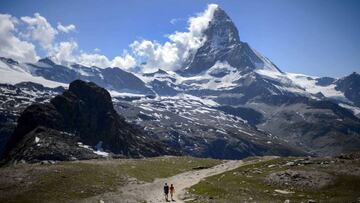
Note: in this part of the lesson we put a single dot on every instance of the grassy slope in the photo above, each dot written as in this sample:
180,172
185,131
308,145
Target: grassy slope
246,184
71,181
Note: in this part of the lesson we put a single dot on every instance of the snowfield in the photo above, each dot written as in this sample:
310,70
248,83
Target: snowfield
13,74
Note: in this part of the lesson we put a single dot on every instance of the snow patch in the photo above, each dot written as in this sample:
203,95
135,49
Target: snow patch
98,152
114,93
101,153
37,139
355,110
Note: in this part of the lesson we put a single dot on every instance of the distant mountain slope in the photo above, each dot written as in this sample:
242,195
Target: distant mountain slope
46,72
196,127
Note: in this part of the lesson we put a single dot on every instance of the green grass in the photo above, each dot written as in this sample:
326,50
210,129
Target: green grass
148,169
66,181
243,184
71,181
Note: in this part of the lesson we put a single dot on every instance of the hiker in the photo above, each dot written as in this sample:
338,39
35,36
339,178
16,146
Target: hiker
166,191
172,192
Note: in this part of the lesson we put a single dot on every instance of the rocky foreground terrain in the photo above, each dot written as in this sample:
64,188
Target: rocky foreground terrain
285,179
255,179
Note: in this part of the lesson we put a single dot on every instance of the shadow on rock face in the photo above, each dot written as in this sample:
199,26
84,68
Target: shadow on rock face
85,112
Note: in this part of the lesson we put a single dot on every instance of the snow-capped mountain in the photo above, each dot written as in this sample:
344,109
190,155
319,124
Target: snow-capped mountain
227,100
46,72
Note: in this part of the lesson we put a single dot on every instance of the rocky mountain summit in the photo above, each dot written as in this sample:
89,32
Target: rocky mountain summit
222,44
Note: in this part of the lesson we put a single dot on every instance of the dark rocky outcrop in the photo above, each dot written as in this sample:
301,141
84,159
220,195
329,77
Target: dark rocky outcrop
48,144
350,86
324,81
6,129
85,114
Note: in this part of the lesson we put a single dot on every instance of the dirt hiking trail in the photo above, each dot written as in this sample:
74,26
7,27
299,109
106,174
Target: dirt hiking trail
153,192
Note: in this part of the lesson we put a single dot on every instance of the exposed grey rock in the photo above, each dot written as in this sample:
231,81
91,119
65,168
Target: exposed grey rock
350,86
308,179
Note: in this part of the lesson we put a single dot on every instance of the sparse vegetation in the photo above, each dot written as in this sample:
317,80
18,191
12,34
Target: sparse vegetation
148,169
71,181
247,183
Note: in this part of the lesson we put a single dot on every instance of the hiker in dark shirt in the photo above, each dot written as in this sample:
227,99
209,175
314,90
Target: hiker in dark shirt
166,191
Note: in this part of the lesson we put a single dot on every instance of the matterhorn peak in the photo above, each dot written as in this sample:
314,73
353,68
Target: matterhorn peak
222,43
221,28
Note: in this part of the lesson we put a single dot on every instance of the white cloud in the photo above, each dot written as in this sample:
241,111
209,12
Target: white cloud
199,23
156,55
67,52
66,28
89,59
39,29
63,52
169,55
10,45
126,61
180,46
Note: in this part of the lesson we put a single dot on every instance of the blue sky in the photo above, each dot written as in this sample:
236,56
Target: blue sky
315,37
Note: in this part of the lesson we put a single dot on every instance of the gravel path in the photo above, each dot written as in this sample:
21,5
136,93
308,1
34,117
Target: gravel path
153,192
